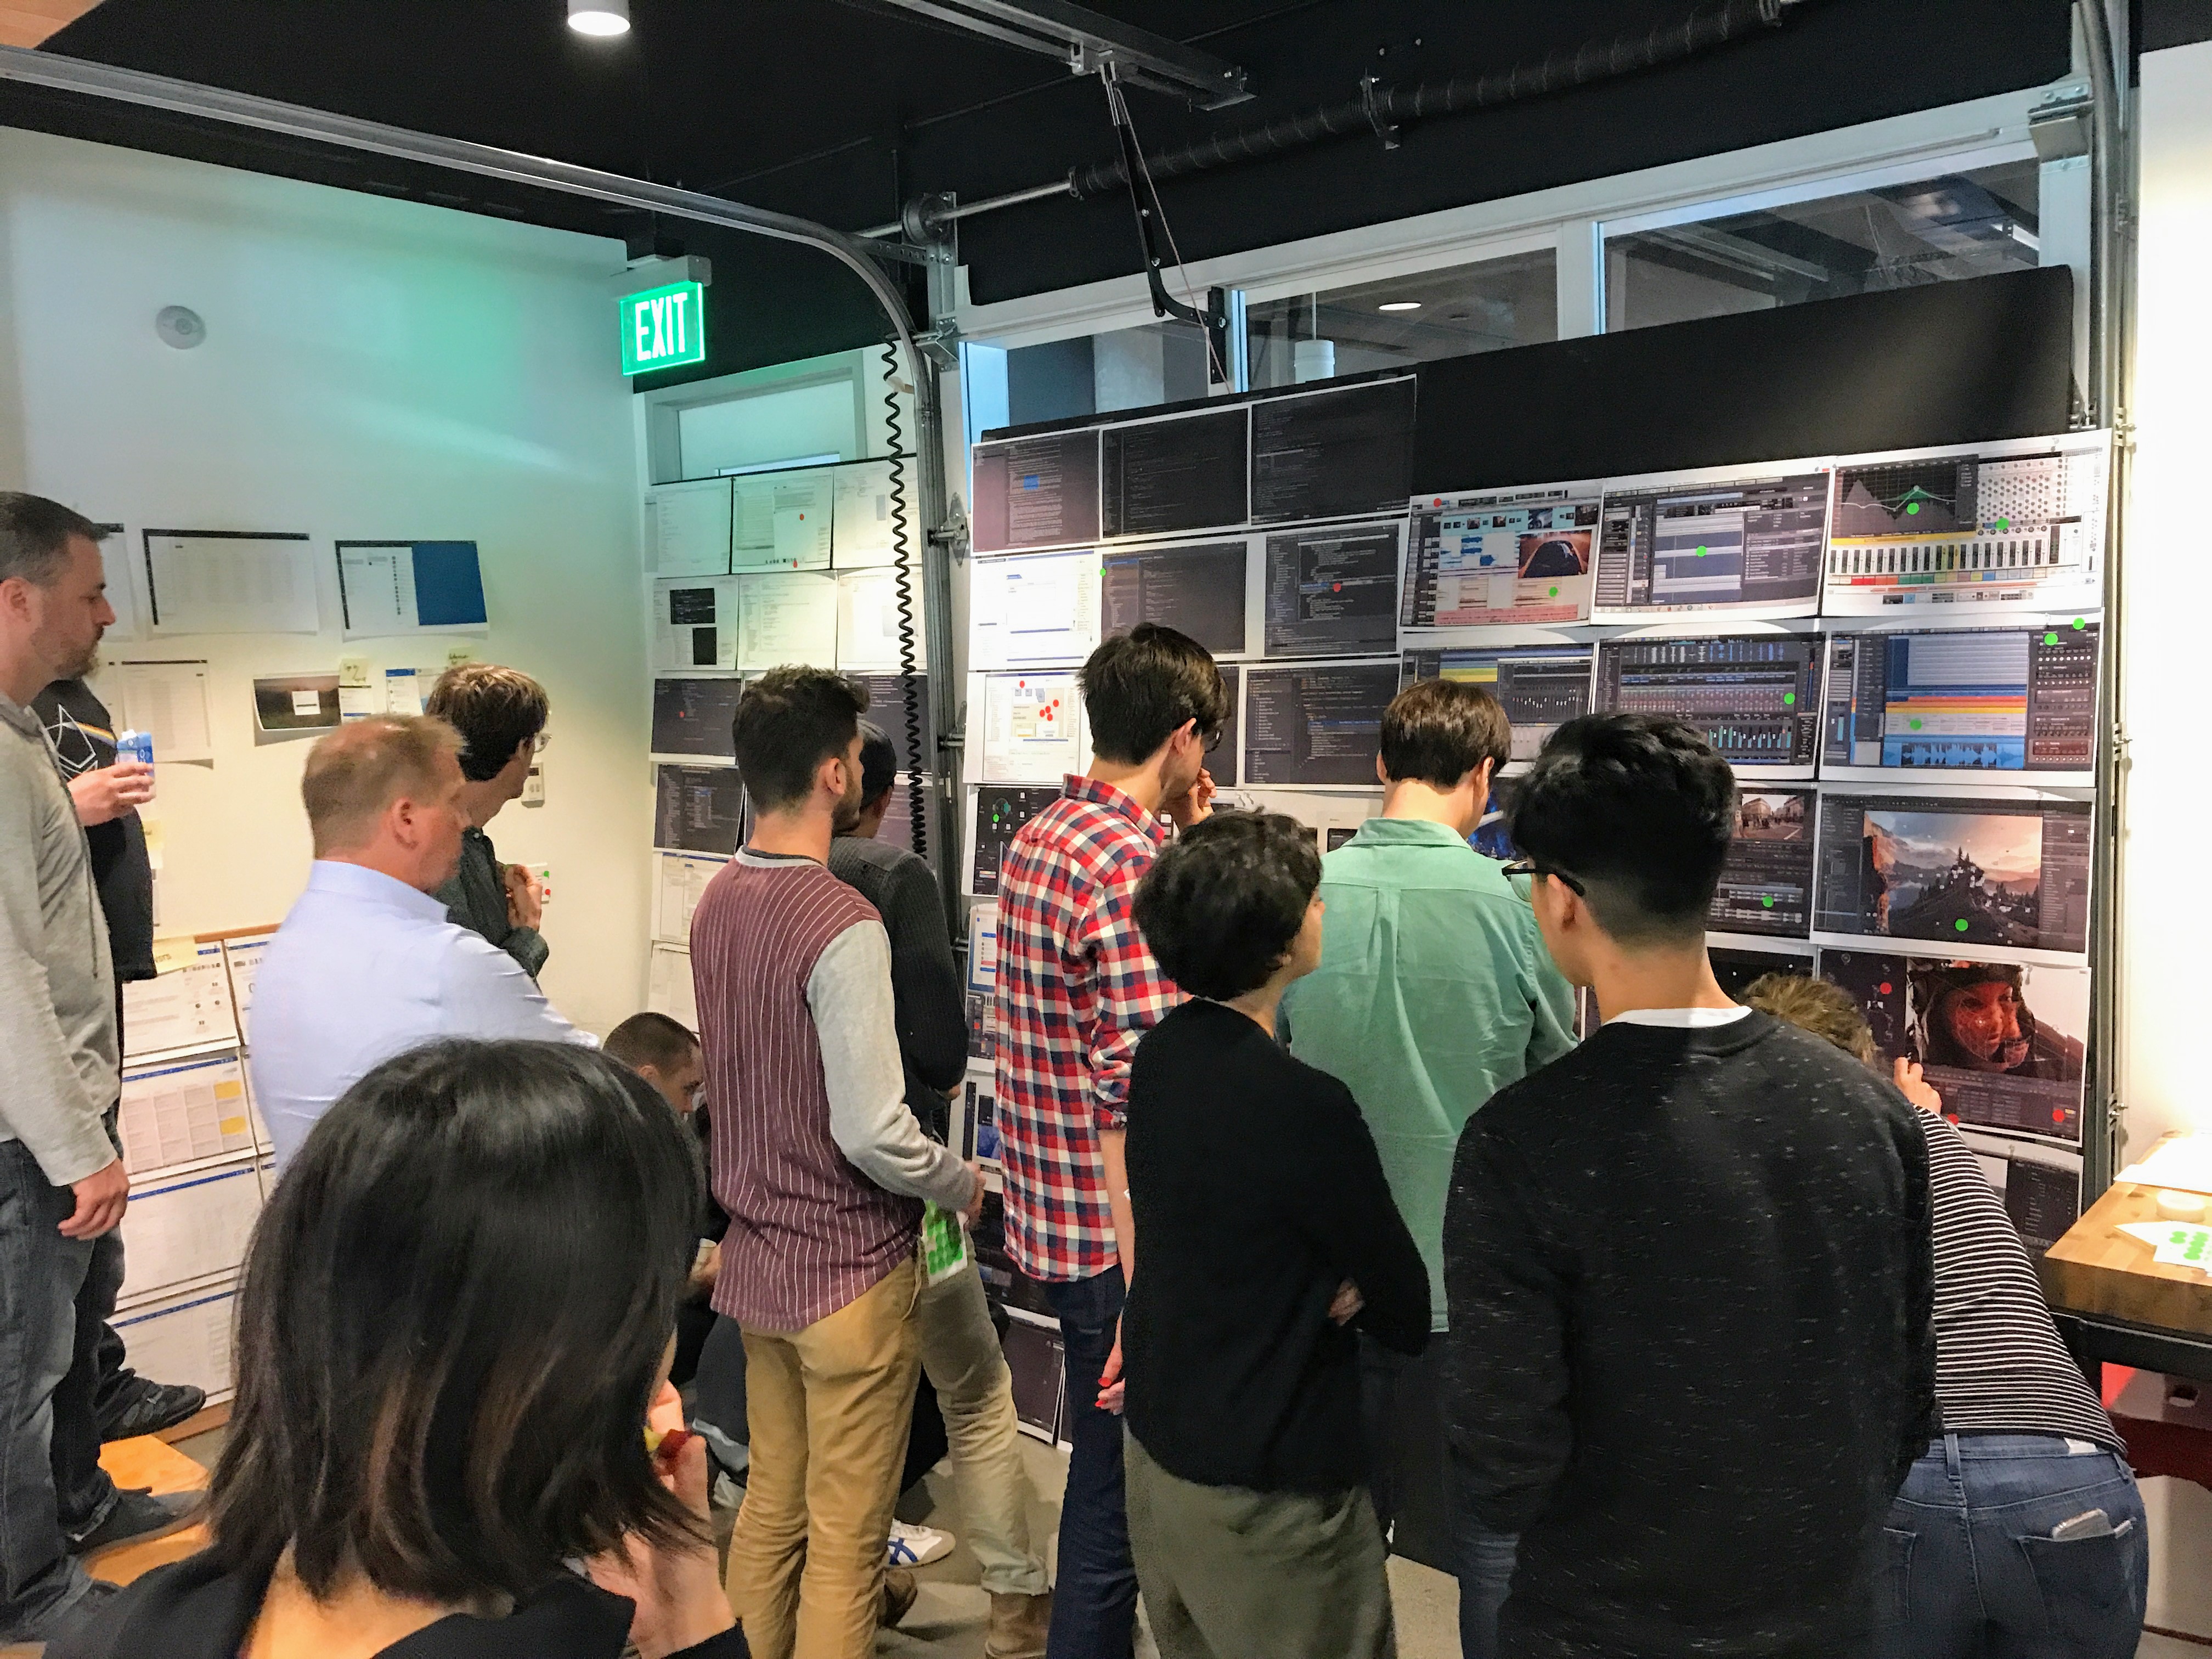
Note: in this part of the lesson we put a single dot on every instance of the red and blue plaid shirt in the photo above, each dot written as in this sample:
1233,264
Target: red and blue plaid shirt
1077,988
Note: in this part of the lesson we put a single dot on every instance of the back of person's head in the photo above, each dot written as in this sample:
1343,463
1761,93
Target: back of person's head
1815,1005
452,1323
361,768
34,536
1140,687
1437,731
495,709
788,722
878,762
655,1040
1639,810
1225,900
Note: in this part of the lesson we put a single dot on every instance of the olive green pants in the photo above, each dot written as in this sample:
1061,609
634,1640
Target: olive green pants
1232,1574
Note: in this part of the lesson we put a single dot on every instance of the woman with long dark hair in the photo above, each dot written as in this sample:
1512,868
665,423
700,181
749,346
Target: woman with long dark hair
457,1306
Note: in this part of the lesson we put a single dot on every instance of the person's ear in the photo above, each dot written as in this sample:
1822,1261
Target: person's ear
650,1072
1380,776
1485,775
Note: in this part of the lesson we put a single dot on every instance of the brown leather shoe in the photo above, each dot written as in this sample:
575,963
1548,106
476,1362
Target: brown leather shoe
1018,1626
900,1593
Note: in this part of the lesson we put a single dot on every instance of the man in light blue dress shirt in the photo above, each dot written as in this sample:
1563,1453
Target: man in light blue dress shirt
367,966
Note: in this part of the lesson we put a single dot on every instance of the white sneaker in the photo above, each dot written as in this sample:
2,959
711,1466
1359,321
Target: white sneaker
917,1546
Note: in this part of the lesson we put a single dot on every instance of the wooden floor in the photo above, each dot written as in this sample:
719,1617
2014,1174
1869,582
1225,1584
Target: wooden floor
149,1461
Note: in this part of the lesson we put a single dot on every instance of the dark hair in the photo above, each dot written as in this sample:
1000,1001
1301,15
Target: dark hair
1828,1012
1225,901
789,721
1638,809
451,1324
650,1039
1437,731
1139,687
495,709
878,762
34,536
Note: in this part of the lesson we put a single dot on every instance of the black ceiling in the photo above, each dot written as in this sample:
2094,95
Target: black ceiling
840,109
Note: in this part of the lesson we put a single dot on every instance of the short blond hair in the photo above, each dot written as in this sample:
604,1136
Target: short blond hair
1827,1011
364,766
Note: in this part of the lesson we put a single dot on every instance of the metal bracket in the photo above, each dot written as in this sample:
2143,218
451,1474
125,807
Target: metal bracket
1214,319
1086,41
1387,130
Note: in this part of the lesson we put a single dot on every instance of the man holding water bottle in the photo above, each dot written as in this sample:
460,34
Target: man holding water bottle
110,776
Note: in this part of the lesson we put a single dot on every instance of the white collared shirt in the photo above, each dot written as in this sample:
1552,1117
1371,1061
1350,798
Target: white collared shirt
1686,1019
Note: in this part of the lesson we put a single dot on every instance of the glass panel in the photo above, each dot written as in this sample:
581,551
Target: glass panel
1405,319
757,427
1963,224
1098,373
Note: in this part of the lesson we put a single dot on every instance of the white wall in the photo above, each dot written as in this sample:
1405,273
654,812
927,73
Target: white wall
2168,599
371,369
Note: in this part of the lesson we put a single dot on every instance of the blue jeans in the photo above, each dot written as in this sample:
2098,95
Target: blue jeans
1094,1605
40,1274
1485,1572
1972,1568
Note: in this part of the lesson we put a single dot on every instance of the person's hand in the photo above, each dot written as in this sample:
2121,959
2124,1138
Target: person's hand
100,1198
1916,1088
1112,1388
1344,1307
974,1212
679,1592
1194,806
103,796
525,899
704,1271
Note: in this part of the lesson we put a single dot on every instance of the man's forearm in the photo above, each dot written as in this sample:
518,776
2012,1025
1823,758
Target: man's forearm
1113,1148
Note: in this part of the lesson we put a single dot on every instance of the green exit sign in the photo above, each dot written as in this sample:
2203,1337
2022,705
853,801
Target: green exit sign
664,327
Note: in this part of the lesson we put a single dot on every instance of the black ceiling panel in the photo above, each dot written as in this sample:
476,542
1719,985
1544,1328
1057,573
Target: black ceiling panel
839,110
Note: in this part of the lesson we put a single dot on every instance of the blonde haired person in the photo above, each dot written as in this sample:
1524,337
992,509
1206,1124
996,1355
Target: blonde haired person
367,965
2019,1532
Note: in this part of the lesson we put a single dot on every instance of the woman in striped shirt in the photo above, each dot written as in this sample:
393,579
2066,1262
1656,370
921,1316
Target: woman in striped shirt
2020,1533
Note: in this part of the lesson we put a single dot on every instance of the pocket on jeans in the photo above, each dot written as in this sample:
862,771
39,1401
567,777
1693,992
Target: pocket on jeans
2087,1601
1896,1605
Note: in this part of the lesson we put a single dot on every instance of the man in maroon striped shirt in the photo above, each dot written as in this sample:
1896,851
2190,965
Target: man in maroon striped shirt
822,1170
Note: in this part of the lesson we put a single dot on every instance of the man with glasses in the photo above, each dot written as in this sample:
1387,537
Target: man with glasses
1689,1266
1433,994
500,713
1077,988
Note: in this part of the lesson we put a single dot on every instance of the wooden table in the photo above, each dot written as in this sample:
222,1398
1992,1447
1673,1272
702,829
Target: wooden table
2114,1304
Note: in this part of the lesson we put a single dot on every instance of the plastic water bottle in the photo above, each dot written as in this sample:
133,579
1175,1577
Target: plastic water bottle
135,746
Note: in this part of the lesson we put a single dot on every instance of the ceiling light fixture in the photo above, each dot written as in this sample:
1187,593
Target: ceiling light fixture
601,18
1400,305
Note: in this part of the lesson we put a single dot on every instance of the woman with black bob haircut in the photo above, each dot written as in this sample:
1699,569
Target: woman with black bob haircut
1266,1228
456,1311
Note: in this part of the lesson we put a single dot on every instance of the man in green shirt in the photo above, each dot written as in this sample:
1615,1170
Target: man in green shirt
1434,992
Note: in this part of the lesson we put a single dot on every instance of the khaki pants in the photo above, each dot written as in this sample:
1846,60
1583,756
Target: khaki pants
828,1409
965,1364
1232,1574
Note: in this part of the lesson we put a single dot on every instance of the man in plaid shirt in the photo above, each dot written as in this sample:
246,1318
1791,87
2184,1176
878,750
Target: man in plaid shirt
1077,988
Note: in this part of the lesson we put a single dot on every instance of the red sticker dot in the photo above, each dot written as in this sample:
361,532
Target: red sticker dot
2059,1115
1883,988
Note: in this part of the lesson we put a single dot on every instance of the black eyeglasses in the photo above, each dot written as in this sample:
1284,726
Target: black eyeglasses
1530,867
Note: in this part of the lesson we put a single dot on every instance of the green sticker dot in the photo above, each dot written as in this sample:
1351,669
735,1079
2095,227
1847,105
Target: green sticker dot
1789,699
2079,624
1961,924
1768,902
1912,509
1555,592
2004,524
1916,724
2051,638
1701,552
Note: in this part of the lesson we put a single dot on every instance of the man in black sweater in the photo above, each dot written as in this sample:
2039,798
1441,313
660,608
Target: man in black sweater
960,1352
1268,1226
1689,1265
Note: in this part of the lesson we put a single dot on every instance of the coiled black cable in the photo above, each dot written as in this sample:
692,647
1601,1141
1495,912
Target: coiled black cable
902,587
